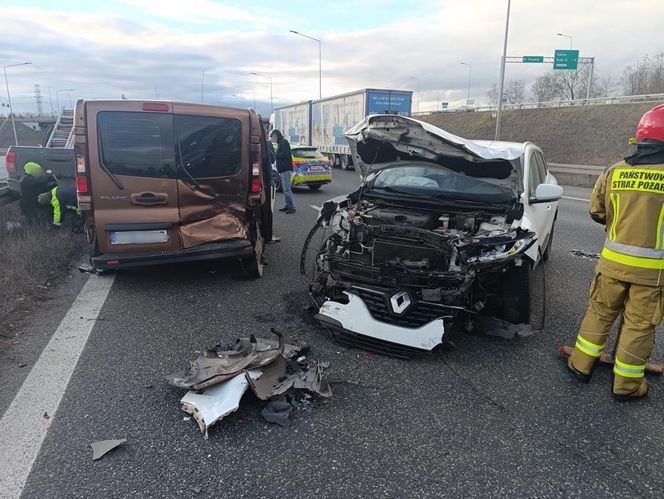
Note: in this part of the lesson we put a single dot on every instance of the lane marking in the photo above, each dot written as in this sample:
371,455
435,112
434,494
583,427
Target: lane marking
576,199
24,425
317,208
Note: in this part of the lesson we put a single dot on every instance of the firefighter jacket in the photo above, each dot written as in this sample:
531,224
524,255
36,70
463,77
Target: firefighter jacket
629,201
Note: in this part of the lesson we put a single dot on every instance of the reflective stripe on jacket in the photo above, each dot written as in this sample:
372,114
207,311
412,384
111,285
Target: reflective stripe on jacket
629,200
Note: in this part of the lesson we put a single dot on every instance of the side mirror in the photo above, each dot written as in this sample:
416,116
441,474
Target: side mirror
547,193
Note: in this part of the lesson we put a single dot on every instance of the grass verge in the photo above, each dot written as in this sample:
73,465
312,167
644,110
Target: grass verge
31,260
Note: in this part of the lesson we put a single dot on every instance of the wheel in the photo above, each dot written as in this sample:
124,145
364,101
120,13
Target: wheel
343,162
516,294
314,187
547,251
276,181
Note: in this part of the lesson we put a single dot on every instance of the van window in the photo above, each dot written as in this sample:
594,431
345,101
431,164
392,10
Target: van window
210,147
137,144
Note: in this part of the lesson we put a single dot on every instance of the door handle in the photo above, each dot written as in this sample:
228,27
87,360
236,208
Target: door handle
149,198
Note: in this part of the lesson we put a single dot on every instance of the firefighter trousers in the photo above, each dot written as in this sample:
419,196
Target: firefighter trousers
642,308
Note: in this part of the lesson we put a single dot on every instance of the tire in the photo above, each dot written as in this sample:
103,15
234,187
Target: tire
547,251
314,187
276,180
516,294
343,162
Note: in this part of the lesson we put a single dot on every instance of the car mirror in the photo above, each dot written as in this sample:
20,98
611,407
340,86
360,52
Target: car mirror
547,193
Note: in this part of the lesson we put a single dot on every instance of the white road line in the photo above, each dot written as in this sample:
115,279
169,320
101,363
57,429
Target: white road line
577,199
24,426
317,208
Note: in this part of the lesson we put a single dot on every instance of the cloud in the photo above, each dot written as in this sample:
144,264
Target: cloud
103,54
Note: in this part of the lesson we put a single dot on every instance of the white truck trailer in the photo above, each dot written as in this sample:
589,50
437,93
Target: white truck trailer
322,123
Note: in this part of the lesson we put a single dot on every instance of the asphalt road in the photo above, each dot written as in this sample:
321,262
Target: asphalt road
492,417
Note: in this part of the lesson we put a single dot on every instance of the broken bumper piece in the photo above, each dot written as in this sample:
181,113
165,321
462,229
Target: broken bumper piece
353,324
217,401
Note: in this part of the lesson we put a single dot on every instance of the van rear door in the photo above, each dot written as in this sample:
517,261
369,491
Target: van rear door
212,150
133,176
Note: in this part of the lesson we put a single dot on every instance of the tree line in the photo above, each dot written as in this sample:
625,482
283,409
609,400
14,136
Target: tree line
644,77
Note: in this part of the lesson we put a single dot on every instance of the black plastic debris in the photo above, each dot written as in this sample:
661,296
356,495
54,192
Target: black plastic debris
277,412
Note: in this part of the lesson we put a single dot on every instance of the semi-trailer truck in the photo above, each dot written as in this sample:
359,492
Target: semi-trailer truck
322,123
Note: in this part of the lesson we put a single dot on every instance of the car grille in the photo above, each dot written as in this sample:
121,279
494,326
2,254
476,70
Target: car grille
416,315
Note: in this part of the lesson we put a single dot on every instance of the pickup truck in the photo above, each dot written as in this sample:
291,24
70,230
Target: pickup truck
59,160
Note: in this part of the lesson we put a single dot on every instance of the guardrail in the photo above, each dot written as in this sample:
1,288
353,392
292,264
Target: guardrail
626,99
576,175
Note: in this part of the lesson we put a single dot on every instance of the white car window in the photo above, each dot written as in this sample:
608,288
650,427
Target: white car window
534,174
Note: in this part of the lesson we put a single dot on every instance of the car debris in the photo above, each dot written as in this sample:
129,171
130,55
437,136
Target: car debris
585,254
100,448
278,412
217,401
273,369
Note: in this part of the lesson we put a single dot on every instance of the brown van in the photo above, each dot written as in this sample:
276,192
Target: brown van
164,182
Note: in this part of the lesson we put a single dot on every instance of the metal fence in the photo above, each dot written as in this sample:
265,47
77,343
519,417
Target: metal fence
626,99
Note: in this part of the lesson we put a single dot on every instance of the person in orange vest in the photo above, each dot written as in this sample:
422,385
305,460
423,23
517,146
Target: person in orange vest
628,198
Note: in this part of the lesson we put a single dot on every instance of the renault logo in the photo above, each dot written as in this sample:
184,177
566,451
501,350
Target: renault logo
400,301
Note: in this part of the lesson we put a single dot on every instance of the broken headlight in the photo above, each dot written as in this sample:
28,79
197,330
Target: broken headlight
501,248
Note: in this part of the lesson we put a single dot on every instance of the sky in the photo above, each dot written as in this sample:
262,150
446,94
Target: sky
195,50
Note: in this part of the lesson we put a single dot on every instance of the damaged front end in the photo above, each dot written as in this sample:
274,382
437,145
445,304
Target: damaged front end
425,243
394,279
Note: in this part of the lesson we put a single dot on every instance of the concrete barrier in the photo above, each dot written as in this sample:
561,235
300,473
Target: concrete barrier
576,175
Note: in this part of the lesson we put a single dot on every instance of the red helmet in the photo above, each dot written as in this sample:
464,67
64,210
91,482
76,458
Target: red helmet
651,125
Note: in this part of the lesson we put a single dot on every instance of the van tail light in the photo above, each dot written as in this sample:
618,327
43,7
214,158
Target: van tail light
256,185
82,185
10,162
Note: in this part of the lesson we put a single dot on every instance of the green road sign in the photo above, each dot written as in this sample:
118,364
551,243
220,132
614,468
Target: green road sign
445,104
566,59
532,58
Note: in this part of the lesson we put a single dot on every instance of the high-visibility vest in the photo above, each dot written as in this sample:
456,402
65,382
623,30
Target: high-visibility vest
630,201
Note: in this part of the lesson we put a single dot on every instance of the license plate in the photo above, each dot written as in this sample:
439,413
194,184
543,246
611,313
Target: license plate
139,237
316,168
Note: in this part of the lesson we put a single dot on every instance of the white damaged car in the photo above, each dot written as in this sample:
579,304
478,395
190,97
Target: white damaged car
441,230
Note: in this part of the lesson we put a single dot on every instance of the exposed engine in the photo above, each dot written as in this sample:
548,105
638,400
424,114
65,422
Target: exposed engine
447,262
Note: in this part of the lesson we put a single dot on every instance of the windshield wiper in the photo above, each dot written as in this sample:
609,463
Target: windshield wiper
195,185
115,179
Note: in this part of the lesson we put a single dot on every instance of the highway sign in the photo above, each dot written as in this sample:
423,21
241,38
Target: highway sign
532,58
566,59
445,104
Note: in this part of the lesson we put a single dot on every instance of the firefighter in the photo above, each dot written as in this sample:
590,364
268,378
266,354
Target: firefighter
62,199
628,199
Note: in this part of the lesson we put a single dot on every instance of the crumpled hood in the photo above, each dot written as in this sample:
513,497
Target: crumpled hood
417,138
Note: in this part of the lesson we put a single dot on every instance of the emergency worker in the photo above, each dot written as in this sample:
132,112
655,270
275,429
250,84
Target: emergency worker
628,199
32,184
61,199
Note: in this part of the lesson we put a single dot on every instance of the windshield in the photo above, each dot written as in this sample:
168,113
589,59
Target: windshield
437,181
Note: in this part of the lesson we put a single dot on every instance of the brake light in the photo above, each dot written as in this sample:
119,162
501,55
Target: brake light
298,163
81,176
256,186
156,106
10,162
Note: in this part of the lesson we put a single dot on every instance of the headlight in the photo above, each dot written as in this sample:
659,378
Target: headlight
502,251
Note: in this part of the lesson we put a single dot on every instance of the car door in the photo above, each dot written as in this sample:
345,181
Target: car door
133,176
539,216
212,148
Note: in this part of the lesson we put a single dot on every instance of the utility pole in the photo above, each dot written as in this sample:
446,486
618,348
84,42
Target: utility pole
502,72
38,100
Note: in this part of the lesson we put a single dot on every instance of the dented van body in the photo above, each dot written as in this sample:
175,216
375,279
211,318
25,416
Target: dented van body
167,182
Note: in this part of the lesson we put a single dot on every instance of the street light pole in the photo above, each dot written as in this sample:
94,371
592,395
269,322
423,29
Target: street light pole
202,86
320,61
571,38
269,78
470,72
502,72
9,97
418,92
